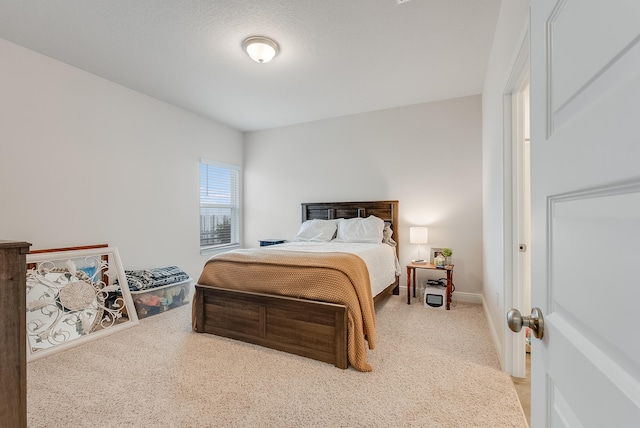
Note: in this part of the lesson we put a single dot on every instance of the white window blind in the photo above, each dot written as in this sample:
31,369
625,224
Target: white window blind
219,204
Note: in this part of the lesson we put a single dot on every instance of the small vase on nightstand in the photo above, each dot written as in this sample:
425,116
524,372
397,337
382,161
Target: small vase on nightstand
447,253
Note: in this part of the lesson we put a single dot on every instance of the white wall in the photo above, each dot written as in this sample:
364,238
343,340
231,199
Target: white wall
511,28
427,156
86,161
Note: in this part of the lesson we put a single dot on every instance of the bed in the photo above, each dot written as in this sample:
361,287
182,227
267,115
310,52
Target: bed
277,296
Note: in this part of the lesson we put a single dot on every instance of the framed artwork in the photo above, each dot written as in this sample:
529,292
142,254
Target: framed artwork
74,296
434,254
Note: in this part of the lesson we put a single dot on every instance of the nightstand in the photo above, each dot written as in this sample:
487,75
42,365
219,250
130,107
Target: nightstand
411,272
267,242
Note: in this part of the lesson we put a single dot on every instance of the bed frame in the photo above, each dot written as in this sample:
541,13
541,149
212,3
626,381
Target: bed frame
312,329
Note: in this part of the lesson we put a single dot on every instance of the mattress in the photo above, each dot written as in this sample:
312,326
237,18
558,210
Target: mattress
380,259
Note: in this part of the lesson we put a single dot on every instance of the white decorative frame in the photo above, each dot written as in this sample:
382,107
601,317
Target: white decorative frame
72,298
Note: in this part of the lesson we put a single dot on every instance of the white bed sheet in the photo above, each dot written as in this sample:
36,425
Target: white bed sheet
381,260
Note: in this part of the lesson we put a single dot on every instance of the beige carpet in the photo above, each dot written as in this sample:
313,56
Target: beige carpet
431,369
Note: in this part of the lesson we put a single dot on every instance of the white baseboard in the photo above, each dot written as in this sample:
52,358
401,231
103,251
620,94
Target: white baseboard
492,332
461,296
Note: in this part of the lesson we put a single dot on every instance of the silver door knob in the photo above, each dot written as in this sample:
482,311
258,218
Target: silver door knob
535,322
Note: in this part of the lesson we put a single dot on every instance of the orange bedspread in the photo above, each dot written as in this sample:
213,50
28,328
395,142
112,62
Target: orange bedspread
330,277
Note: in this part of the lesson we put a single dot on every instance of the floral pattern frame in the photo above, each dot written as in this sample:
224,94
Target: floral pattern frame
74,297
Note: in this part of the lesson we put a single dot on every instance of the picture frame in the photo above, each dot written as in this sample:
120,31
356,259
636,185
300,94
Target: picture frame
433,254
74,296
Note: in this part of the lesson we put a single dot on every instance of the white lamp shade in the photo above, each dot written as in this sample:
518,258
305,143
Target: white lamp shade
260,49
419,235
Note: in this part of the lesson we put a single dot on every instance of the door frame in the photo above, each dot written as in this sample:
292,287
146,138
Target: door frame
514,346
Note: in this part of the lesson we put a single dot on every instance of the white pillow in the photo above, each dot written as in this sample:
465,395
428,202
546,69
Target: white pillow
316,231
368,230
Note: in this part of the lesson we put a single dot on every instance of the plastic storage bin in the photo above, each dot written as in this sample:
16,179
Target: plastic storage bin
161,299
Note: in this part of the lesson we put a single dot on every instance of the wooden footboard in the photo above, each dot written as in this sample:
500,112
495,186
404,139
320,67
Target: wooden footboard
308,328
316,330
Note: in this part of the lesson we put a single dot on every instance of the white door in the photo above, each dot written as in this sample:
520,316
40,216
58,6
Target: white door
585,170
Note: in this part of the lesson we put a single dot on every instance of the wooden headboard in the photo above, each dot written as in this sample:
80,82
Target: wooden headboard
386,210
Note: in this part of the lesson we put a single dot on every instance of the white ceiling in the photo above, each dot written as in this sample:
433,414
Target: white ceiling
336,57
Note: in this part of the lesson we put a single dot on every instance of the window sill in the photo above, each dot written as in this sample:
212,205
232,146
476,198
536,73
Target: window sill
216,250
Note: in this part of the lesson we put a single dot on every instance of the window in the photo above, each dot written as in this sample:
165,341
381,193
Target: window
219,204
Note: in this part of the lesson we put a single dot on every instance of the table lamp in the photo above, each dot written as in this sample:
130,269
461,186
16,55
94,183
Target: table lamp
419,235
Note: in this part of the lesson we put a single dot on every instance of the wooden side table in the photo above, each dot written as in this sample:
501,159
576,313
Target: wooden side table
411,272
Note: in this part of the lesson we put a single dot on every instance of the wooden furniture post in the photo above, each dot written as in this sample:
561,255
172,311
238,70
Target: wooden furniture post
13,344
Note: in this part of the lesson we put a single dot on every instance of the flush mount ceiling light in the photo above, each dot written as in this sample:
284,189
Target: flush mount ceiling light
260,49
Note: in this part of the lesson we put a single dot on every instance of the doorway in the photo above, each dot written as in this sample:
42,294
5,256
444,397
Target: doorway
521,197
517,214
521,167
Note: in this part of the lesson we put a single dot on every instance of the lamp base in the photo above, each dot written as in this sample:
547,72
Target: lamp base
419,261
